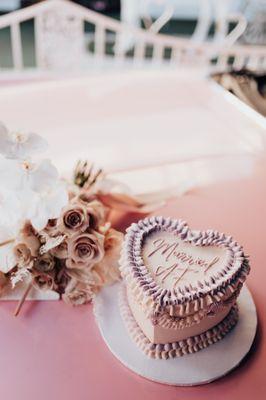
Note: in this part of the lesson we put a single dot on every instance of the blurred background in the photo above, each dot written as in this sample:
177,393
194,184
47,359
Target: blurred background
201,20
139,84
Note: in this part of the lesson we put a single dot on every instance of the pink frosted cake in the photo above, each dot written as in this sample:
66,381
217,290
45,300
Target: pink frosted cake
180,286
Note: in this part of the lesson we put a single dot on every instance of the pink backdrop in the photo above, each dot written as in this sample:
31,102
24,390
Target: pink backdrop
52,351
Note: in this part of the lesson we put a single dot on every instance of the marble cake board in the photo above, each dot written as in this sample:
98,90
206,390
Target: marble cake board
194,369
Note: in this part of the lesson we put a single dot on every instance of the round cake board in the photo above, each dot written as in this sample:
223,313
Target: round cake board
199,368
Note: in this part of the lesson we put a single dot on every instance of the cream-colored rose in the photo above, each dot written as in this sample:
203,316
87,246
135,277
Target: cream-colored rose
108,267
78,293
85,249
44,263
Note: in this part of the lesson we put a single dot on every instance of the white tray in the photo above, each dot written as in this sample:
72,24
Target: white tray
193,369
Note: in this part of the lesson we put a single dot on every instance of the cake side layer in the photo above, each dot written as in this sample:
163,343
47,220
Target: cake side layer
176,349
189,313
158,333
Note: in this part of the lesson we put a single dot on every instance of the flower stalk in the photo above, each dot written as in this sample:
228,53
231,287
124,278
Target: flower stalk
22,300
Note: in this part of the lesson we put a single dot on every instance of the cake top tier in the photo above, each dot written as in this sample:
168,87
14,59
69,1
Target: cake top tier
175,263
172,264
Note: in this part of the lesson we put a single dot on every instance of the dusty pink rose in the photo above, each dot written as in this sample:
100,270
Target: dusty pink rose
60,251
52,227
23,254
85,249
97,214
44,263
84,197
113,241
44,281
107,268
29,237
78,293
88,276
95,210
62,277
74,218
73,191
4,281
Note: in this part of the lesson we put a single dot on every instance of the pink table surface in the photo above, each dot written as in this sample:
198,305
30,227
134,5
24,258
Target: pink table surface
52,351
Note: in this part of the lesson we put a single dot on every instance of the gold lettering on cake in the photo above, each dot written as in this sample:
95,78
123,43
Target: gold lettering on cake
214,261
180,277
165,272
165,247
186,262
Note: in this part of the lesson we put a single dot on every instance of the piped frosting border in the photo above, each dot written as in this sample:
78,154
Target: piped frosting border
140,279
176,349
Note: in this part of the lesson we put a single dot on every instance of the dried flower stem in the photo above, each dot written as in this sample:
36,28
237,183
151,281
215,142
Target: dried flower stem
23,298
6,242
85,175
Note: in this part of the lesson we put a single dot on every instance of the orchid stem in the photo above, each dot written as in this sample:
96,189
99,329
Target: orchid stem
23,298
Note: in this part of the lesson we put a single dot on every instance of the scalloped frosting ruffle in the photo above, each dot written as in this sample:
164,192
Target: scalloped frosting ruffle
165,320
176,349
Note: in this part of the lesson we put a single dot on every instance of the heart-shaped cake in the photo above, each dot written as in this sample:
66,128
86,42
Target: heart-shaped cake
181,285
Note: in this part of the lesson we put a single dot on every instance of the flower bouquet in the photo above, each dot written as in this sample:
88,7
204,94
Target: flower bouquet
55,234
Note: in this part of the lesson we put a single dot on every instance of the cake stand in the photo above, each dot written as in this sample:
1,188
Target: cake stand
194,369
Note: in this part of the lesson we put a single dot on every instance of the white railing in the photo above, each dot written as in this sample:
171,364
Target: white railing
60,41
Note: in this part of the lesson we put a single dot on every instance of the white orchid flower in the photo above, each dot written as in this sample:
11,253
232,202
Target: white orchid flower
32,192
7,258
24,175
20,145
41,177
28,192
10,214
10,221
47,204
42,194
